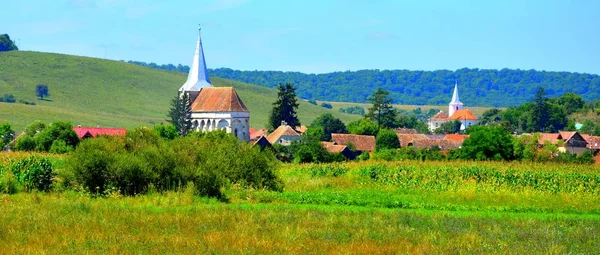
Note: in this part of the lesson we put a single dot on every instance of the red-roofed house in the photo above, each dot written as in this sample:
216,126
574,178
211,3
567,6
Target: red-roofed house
360,142
332,147
456,138
87,132
255,134
284,135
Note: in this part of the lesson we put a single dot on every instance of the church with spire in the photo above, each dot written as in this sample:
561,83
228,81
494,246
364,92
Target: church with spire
214,108
455,112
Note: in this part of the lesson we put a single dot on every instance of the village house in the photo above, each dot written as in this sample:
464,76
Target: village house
567,141
284,135
214,108
89,132
455,112
360,143
332,147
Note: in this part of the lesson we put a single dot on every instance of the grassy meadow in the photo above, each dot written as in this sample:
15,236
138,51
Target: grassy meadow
357,207
90,92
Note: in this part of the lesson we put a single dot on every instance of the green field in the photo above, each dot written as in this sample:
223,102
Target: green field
367,208
96,92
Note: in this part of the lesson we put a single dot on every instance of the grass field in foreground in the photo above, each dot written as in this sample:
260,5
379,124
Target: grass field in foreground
358,207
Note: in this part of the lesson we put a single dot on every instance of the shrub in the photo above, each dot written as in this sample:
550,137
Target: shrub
326,105
386,139
8,182
60,147
144,160
8,98
33,172
25,143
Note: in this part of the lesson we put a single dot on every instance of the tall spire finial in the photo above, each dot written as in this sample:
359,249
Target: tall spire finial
199,29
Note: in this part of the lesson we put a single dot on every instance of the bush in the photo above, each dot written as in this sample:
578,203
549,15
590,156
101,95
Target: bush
60,147
326,105
25,143
386,139
8,182
8,98
209,161
33,172
37,136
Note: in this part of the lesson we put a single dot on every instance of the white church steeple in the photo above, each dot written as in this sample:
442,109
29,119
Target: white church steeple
198,75
455,104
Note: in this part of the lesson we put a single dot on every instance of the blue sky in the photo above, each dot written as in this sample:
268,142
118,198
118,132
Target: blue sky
318,36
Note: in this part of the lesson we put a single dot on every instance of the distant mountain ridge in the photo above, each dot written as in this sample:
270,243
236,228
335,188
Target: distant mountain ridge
477,87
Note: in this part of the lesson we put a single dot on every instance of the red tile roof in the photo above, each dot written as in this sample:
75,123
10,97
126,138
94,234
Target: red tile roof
439,116
462,114
83,132
360,142
567,135
406,131
550,137
455,137
257,133
283,130
443,144
333,148
301,129
408,139
218,99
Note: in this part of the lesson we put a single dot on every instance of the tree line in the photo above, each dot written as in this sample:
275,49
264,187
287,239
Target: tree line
478,87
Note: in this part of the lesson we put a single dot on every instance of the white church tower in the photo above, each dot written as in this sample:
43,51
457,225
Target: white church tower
198,75
455,104
214,108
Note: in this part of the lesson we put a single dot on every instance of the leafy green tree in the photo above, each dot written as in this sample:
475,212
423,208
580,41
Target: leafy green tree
169,132
180,113
363,127
6,44
330,125
284,109
6,135
61,131
491,116
386,139
590,128
488,143
449,127
382,112
34,128
411,122
572,102
41,91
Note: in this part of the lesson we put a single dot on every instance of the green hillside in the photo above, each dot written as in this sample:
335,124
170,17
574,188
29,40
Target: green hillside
96,92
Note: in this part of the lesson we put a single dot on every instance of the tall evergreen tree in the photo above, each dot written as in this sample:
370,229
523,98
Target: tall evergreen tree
284,109
180,113
382,111
539,113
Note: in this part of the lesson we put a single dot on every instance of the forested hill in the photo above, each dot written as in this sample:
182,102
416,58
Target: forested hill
477,87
